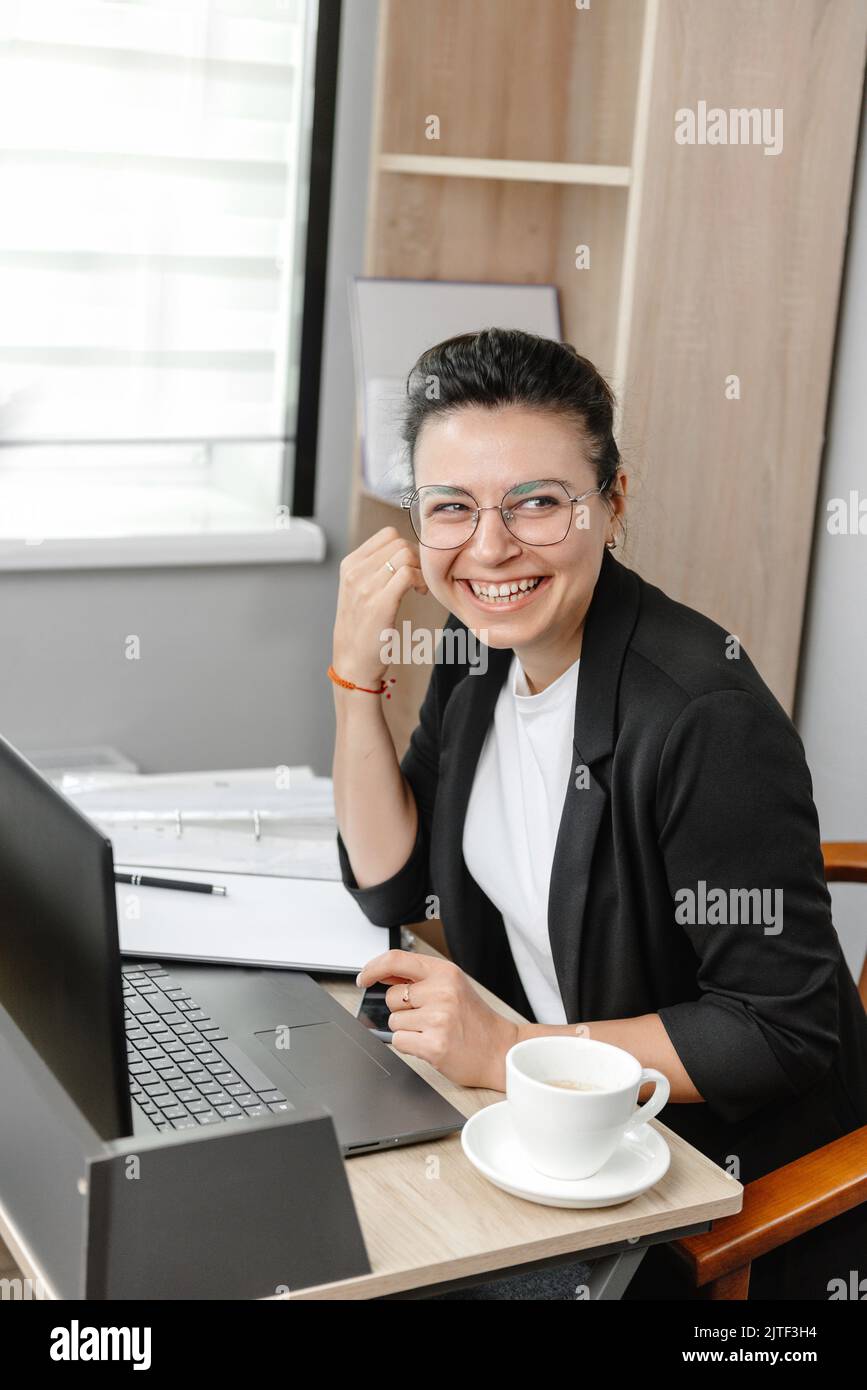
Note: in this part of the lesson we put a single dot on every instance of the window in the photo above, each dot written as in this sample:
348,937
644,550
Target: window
161,288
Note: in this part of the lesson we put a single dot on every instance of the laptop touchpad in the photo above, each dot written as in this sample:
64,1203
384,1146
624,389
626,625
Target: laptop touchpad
321,1055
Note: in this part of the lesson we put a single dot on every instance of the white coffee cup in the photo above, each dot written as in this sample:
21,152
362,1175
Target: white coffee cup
569,1133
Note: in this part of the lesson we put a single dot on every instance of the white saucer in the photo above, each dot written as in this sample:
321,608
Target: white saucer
491,1144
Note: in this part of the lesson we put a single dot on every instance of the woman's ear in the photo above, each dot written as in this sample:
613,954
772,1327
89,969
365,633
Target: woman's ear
617,500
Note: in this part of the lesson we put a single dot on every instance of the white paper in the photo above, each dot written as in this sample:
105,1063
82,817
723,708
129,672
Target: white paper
299,923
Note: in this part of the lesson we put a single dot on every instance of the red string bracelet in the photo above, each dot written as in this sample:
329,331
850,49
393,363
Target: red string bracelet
350,685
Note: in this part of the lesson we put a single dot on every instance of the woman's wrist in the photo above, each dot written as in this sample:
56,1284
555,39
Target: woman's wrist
360,704
552,1030
509,1036
360,697
360,673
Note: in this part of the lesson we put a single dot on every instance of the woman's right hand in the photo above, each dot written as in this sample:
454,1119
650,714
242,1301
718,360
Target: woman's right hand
368,600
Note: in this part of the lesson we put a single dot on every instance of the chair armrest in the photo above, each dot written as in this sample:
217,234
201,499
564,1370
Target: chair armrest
845,861
779,1207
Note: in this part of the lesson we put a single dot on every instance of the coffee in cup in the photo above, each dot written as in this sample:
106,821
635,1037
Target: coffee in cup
566,1085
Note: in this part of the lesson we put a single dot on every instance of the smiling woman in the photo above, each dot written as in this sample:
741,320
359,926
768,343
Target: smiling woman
483,409
615,756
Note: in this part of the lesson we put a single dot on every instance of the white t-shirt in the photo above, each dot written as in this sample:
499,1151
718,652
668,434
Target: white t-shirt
513,817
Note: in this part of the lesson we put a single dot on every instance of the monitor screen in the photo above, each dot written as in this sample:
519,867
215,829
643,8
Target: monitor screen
60,975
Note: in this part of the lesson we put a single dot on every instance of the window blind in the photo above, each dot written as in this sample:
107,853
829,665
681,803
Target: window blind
153,177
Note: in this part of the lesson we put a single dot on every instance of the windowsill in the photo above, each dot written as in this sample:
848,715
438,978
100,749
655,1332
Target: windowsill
298,541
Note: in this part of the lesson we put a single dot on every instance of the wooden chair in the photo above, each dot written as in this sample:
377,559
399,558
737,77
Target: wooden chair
797,1197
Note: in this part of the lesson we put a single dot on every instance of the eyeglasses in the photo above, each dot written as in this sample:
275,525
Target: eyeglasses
537,513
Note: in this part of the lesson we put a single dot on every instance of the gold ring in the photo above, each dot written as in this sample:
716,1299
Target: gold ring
390,566
406,998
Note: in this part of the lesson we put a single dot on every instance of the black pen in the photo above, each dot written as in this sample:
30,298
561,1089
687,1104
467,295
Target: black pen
144,881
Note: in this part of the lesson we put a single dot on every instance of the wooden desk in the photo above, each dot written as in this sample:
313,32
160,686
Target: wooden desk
430,1220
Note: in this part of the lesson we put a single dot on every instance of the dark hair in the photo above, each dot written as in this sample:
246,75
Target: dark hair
505,366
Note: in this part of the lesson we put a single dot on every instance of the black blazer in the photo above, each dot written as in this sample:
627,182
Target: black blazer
694,773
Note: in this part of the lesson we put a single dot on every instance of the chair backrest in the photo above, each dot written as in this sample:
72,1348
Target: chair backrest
846,862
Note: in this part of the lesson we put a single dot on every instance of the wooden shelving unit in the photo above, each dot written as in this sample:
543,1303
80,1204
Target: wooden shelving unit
535,152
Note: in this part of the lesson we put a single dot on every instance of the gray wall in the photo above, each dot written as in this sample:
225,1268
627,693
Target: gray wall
232,668
831,710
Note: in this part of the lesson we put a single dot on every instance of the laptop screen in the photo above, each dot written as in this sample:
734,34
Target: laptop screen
60,976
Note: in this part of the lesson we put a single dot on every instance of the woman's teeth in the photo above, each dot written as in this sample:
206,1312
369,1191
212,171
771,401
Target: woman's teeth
503,593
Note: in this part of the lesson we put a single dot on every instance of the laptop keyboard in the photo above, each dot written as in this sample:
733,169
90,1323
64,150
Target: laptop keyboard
183,1068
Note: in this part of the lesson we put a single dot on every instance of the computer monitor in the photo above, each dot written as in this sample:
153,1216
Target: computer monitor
60,969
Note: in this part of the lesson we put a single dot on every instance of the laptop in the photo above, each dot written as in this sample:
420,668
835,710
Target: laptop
141,1047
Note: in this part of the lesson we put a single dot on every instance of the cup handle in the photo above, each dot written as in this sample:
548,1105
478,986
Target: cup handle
659,1098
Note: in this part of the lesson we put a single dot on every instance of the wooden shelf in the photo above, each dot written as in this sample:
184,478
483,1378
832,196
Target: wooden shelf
520,170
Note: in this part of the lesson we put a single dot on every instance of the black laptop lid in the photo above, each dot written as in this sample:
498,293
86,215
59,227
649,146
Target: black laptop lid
59,958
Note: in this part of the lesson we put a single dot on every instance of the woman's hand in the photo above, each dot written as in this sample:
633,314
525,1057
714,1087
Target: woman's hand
367,602
444,1020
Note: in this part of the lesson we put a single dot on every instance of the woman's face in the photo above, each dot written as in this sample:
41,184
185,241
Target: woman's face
486,452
